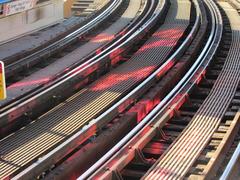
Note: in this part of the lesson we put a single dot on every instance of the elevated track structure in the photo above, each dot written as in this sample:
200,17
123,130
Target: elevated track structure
157,98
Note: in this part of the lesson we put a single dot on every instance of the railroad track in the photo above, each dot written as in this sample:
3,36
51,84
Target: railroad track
90,53
24,61
232,168
36,139
139,150
174,115
76,164
210,164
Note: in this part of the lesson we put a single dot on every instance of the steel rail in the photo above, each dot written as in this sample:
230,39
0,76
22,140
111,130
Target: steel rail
227,173
80,72
84,61
219,155
67,39
94,54
150,80
230,166
59,152
181,90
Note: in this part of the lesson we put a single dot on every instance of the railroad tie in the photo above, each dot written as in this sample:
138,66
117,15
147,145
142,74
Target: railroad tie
54,127
177,161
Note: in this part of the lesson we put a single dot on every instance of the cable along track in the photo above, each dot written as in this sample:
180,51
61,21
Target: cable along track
128,147
58,124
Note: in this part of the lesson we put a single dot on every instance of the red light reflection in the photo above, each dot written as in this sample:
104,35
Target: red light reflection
123,106
103,37
117,78
156,148
29,83
164,38
115,53
172,33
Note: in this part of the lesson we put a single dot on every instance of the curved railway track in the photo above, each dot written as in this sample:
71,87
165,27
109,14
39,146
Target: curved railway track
135,153
34,41
78,62
173,115
36,139
15,65
174,21
139,141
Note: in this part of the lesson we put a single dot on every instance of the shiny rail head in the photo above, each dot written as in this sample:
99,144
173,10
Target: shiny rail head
41,160
230,166
159,109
